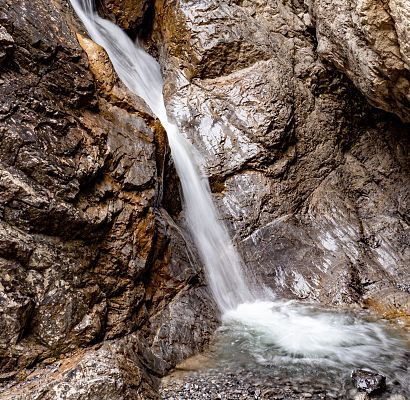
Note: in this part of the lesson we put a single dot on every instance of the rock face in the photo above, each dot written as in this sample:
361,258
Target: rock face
129,14
89,258
113,371
99,291
368,41
311,179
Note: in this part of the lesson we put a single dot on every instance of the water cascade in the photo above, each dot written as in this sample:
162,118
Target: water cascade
141,74
268,328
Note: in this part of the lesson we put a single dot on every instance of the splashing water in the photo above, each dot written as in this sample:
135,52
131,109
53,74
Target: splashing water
305,332
286,339
292,330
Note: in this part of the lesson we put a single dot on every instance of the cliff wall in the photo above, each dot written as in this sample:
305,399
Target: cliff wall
301,111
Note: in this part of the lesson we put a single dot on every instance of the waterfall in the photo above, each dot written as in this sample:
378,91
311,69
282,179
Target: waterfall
266,329
142,75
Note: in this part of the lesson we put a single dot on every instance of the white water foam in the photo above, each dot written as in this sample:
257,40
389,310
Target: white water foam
302,331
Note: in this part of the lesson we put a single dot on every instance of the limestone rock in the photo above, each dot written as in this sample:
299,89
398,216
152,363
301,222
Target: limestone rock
112,371
86,246
99,64
6,43
310,178
400,12
368,41
15,308
128,14
183,324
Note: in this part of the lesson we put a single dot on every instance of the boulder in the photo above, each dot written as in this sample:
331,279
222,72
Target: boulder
368,381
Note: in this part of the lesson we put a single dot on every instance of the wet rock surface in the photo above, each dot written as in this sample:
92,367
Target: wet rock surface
208,376
311,179
237,385
368,381
129,14
243,385
88,255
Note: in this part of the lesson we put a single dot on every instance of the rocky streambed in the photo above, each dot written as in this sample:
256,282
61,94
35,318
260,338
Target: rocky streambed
241,384
207,382
212,383
246,362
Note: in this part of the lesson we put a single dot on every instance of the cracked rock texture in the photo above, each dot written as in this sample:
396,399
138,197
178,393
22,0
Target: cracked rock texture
301,111
95,276
312,180
368,40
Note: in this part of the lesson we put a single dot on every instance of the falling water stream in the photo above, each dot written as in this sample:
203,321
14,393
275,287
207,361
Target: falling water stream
268,331
141,74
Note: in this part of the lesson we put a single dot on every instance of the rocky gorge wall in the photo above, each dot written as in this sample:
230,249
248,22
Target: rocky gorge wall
100,288
94,271
311,178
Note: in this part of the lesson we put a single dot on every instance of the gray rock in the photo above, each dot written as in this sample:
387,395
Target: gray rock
113,371
191,381
368,42
309,177
6,43
368,381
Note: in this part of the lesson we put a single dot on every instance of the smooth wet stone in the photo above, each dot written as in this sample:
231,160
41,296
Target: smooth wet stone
368,381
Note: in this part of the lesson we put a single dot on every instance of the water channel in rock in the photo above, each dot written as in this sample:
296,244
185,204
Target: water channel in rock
260,335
